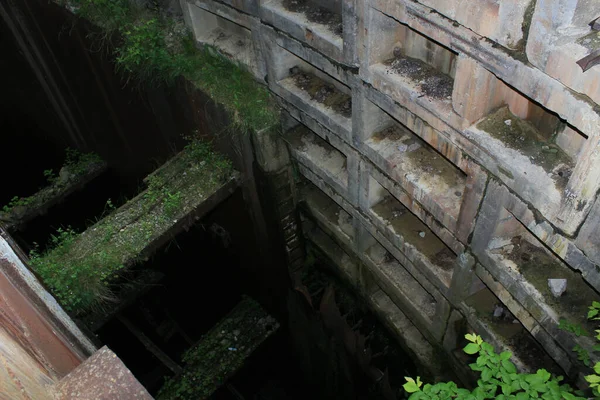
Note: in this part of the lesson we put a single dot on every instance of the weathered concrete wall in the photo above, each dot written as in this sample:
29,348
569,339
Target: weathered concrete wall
449,158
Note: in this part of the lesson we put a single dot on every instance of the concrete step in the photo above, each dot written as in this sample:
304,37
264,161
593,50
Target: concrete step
103,376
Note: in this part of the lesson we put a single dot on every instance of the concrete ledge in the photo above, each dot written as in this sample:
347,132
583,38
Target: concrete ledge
333,218
235,34
436,173
401,281
343,264
499,238
372,181
393,274
413,341
531,83
322,61
409,337
559,355
502,22
324,154
528,80
314,91
317,35
499,200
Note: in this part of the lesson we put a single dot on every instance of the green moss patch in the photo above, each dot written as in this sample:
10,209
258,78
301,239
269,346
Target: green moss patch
522,136
220,353
79,269
537,266
77,170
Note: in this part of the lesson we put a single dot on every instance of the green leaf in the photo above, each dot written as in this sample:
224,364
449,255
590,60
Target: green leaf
592,378
411,386
471,348
509,367
471,337
486,375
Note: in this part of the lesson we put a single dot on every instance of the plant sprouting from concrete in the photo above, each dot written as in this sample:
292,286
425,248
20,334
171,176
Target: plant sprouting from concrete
499,379
154,47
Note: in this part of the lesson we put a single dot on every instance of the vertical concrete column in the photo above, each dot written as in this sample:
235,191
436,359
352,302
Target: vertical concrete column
462,278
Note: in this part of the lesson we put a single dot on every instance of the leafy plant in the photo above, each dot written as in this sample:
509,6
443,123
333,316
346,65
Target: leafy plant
50,176
73,287
576,329
594,379
499,379
17,201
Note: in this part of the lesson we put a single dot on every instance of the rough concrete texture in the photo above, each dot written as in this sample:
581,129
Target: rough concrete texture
103,376
451,137
499,21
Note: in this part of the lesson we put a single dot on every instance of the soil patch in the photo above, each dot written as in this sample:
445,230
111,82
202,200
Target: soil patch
522,136
537,266
513,334
432,83
415,232
316,14
322,92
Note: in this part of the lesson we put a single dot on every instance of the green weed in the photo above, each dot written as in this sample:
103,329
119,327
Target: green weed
153,48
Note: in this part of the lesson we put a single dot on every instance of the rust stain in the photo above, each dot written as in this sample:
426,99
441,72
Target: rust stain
32,331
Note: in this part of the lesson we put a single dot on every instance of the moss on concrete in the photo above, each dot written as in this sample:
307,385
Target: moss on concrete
77,170
521,135
324,93
79,269
220,353
537,266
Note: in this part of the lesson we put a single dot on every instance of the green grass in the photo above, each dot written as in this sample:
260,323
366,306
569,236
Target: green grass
80,270
155,48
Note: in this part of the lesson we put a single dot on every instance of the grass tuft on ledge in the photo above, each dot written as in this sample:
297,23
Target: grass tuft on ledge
80,270
77,170
154,47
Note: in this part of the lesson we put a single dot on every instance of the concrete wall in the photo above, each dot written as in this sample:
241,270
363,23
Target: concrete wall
444,147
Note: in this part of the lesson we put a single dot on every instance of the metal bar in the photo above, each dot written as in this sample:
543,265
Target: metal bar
149,344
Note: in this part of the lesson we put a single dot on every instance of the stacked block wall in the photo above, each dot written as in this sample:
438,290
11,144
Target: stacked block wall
437,141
